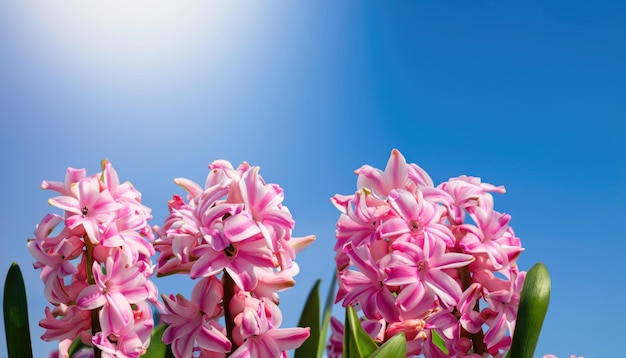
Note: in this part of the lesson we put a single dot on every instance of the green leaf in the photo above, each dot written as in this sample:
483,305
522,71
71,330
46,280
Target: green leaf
533,306
356,342
328,307
439,342
75,347
395,347
310,317
157,348
16,326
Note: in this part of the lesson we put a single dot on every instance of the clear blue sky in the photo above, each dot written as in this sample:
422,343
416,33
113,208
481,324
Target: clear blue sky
521,93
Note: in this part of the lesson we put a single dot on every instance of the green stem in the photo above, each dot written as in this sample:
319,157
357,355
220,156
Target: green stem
95,320
229,292
478,338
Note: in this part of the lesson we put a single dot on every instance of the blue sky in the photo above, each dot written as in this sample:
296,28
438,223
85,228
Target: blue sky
523,94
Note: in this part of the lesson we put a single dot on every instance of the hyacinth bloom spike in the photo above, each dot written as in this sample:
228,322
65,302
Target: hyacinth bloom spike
234,233
436,250
100,261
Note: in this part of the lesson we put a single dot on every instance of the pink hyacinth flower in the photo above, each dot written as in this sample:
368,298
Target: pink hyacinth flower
395,176
366,287
87,207
417,218
258,326
239,259
421,269
468,193
264,203
65,323
194,323
115,289
491,237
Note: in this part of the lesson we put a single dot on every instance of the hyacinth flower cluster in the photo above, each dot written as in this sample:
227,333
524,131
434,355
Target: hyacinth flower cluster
95,262
436,263
234,237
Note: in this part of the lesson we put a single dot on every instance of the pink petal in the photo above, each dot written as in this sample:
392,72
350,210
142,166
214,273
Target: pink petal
249,322
419,176
211,339
244,279
191,187
90,298
396,173
278,217
451,260
207,294
288,338
104,204
415,295
116,314
66,203
404,203
369,177
88,190
240,227
401,275
385,303
364,266
207,264
497,330
178,307
444,286
182,345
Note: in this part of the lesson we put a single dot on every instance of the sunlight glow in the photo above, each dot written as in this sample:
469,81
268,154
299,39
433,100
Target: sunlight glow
131,38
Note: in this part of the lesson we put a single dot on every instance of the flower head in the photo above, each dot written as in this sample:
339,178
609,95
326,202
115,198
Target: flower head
424,258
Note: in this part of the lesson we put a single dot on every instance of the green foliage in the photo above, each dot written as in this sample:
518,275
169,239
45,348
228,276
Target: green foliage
315,345
328,308
75,347
310,317
395,347
356,342
16,315
157,348
439,342
533,306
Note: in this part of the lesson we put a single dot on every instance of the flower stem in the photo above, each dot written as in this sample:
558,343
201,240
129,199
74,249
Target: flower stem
229,292
95,320
478,338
